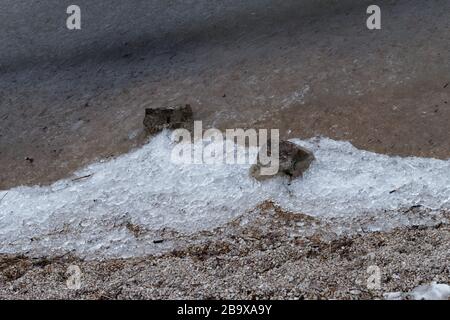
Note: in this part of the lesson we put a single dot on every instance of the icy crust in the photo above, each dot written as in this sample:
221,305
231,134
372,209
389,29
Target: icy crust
102,209
432,291
345,180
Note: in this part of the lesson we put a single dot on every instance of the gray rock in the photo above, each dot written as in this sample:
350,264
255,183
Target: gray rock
293,161
172,117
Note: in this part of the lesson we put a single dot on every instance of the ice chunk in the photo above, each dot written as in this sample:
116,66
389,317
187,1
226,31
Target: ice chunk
432,291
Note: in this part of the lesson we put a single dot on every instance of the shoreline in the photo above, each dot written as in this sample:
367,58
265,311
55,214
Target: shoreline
248,259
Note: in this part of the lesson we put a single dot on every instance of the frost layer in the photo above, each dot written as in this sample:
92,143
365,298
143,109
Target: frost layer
144,188
432,291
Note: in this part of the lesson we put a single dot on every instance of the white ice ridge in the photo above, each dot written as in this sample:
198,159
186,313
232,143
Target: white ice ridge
432,291
145,188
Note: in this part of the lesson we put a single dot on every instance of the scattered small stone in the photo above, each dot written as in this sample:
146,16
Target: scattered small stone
30,160
355,292
173,117
294,161
135,229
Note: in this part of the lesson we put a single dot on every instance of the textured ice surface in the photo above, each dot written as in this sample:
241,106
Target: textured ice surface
346,180
432,291
144,188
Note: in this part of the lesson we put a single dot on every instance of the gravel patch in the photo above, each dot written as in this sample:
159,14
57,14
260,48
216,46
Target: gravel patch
265,254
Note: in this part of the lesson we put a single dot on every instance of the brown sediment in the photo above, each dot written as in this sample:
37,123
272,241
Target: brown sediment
383,91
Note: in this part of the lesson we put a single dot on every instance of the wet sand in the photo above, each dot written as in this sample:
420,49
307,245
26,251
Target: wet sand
308,68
